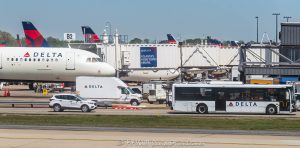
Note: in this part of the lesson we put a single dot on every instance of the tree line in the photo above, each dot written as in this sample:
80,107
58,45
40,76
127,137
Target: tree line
11,41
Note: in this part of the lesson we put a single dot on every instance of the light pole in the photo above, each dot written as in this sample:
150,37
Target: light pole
276,14
256,29
181,74
287,18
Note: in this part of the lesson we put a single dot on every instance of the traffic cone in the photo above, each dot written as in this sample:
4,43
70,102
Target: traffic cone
8,93
5,93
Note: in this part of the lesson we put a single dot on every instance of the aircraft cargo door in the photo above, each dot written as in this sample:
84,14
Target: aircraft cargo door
70,57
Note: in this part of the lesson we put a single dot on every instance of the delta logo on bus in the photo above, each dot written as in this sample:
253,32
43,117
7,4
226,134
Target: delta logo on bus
242,104
93,86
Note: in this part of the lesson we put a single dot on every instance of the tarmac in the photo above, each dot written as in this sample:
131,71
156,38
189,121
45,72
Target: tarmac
30,138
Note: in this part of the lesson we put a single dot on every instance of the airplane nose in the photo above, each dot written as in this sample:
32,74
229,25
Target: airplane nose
107,70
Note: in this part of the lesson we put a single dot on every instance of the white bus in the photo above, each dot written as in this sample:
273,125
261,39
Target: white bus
233,98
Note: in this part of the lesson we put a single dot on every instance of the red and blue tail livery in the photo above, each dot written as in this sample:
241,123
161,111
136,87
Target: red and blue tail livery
89,35
33,37
171,39
3,44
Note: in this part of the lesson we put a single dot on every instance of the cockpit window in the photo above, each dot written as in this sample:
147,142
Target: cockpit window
88,60
93,60
99,59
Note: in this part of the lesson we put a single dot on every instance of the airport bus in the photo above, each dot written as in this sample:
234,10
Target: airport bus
233,98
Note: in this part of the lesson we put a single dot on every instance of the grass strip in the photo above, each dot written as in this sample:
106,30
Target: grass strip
228,123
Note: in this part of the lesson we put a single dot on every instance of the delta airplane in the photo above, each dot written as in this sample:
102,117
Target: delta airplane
89,35
42,64
146,75
171,39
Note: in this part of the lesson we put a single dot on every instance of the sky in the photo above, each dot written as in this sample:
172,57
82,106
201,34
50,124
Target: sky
152,19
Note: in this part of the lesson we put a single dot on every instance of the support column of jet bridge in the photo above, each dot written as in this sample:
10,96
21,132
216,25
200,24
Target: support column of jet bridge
117,54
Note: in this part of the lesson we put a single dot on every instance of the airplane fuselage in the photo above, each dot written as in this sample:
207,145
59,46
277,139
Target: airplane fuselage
50,64
148,75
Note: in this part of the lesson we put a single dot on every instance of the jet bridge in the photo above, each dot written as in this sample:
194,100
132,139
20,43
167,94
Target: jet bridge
272,63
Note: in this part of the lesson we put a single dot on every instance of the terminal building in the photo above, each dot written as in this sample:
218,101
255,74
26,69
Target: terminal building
145,62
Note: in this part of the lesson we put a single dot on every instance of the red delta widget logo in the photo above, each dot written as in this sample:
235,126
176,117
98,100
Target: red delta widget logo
242,104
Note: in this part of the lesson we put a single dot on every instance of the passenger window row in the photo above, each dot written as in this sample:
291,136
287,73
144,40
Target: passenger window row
32,59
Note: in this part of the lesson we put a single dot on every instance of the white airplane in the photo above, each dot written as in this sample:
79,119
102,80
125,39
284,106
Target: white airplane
143,75
39,64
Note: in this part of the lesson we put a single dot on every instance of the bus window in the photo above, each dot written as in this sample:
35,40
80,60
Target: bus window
235,95
188,93
221,94
258,94
205,94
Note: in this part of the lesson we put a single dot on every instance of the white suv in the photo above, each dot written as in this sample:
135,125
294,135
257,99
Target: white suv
60,102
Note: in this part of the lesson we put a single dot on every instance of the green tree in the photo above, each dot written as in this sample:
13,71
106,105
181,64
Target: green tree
7,38
136,41
163,42
226,43
146,41
54,42
77,41
197,41
189,41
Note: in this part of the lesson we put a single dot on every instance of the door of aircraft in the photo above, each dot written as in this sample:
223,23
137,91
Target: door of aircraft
70,57
0,60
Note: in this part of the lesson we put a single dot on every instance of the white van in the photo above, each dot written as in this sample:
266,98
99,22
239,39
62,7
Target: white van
101,89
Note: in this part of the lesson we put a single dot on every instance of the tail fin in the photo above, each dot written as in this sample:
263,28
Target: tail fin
19,41
89,35
171,39
3,44
33,36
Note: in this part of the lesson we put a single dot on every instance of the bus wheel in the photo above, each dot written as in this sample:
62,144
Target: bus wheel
202,109
271,110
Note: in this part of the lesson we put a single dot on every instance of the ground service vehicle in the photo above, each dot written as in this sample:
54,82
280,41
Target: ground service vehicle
106,89
60,102
154,92
233,98
297,99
